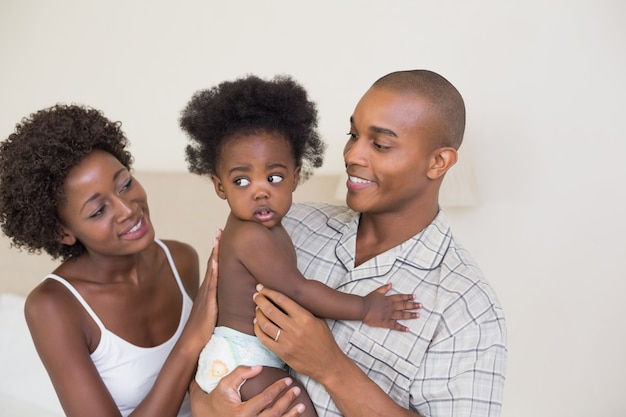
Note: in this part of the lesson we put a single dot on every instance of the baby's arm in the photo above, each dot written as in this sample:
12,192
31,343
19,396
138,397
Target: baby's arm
375,309
277,269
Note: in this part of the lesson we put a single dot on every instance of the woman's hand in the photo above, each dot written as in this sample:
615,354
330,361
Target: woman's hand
305,342
203,314
225,401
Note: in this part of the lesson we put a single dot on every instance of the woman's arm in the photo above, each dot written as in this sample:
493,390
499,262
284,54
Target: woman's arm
59,327
172,382
307,346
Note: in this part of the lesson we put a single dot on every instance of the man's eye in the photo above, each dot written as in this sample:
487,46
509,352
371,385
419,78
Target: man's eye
275,178
242,182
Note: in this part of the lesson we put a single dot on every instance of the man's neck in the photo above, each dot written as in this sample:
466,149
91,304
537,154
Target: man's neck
378,233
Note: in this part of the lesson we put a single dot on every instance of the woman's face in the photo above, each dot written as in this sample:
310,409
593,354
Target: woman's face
105,208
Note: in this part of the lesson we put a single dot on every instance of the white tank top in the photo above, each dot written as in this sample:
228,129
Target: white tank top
129,371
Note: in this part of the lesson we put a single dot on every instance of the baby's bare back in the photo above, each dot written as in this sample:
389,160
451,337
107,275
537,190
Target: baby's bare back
244,249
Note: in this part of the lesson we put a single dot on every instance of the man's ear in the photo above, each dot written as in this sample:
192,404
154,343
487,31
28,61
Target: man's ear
219,187
66,237
296,178
441,161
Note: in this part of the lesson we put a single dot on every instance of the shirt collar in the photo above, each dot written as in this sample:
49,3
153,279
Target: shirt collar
424,250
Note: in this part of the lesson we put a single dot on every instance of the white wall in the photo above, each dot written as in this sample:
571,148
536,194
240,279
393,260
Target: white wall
544,83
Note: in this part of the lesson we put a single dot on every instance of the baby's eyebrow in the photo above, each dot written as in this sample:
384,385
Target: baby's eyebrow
241,168
275,165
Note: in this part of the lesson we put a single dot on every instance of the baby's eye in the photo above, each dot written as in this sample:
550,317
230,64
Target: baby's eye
242,182
275,178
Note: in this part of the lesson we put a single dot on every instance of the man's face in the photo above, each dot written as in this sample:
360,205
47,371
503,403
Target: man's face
389,151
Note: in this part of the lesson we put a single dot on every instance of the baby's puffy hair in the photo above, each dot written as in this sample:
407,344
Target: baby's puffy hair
250,105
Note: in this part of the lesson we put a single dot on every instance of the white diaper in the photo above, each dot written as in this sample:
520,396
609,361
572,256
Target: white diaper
228,349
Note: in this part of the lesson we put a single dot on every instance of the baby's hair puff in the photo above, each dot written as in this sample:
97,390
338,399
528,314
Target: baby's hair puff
34,163
251,105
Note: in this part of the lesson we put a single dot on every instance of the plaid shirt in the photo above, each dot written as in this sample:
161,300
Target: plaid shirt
452,361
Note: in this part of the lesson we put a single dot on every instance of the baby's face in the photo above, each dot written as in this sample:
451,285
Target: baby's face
257,174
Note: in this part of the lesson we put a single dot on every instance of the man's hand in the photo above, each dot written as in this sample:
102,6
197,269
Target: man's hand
305,342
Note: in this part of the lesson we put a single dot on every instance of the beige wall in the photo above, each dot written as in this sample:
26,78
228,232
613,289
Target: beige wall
544,85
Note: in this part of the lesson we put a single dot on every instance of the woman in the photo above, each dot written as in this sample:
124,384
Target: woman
114,323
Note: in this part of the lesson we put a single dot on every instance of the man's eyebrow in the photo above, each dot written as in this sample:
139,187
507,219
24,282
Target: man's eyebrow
383,131
379,130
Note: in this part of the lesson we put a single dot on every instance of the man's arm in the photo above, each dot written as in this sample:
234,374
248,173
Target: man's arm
462,373
307,346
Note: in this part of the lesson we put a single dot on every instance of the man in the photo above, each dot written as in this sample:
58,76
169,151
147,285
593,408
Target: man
404,136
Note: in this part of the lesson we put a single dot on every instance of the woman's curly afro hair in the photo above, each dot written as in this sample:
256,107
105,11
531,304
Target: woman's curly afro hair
250,105
34,162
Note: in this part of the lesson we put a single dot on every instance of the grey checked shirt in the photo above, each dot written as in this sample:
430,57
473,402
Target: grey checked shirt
452,361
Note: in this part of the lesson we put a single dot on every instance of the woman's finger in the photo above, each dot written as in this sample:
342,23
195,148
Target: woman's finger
283,403
212,266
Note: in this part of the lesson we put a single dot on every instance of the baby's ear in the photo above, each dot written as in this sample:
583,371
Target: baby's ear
442,160
66,237
296,178
219,187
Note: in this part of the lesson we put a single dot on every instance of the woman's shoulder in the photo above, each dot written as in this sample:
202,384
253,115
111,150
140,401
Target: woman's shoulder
51,299
179,249
187,263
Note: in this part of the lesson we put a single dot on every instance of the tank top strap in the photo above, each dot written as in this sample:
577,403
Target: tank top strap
172,266
80,299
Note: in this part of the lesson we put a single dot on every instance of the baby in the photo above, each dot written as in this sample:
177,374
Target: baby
257,139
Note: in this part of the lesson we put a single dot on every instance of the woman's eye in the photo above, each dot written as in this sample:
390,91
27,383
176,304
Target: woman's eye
97,213
275,178
352,135
127,184
242,182
380,147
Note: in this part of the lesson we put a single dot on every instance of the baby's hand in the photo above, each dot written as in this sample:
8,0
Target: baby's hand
384,311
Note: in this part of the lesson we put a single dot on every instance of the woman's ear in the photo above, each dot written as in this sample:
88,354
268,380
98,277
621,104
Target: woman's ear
66,237
442,160
296,178
219,187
